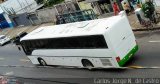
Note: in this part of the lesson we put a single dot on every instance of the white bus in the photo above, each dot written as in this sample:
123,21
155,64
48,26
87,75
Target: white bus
105,43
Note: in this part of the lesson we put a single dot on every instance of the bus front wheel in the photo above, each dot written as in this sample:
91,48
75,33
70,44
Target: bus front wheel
42,62
87,64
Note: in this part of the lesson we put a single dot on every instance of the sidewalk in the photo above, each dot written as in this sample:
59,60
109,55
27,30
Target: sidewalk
136,26
133,20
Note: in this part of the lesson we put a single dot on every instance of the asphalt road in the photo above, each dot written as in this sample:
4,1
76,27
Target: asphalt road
147,56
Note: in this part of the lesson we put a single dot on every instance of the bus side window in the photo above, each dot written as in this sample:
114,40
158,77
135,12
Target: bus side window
86,42
72,42
54,43
59,43
91,42
63,44
30,43
49,45
33,44
41,43
99,42
46,44
37,44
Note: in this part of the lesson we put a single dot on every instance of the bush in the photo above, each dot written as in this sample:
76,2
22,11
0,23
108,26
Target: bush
50,3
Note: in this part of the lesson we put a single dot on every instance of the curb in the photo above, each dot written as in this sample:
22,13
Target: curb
155,28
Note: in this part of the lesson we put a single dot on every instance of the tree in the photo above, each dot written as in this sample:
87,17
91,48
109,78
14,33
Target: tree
39,1
148,9
48,3
53,2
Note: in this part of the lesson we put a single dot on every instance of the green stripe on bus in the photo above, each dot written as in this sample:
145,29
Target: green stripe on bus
128,56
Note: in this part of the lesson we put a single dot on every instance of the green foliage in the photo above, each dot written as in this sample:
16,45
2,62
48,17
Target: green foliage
148,9
50,3
39,1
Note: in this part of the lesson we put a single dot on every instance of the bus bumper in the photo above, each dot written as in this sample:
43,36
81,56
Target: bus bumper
128,56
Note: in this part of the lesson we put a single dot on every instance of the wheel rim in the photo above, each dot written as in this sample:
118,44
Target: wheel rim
42,62
88,65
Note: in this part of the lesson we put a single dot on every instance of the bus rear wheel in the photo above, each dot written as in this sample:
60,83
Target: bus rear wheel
87,64
42,62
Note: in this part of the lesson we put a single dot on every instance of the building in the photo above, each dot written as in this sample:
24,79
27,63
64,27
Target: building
67,6
105,6
99,6
5,21
15,12
18,6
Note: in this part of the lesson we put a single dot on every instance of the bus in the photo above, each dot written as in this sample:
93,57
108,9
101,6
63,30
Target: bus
105,43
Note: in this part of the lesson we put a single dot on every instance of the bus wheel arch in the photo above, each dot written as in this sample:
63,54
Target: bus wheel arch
41,61
87,64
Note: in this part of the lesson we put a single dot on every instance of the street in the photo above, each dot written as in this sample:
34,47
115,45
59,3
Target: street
147,56
83,33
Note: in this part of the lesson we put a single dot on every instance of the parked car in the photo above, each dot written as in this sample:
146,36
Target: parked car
4,39
16,40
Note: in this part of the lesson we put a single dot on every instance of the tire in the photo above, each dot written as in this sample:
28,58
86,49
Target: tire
42,62
87,64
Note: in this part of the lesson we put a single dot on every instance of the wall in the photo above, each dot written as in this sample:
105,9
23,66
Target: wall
47,15
66,7
19,6
85,5
157,2
34,19
21,19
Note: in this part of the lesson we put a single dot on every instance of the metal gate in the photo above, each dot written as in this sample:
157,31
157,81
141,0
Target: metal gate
76,16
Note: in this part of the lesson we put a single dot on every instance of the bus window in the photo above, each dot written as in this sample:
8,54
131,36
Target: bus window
100,42
72,42
80,42
93,42
58,43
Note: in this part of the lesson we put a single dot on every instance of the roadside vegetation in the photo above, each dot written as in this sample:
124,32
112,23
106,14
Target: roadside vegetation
49,3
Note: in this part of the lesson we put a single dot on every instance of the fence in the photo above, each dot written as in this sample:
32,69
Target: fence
49,15
76,16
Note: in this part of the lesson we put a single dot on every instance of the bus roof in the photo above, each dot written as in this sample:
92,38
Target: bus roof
91,27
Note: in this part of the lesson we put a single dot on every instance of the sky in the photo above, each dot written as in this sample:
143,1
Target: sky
15,5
